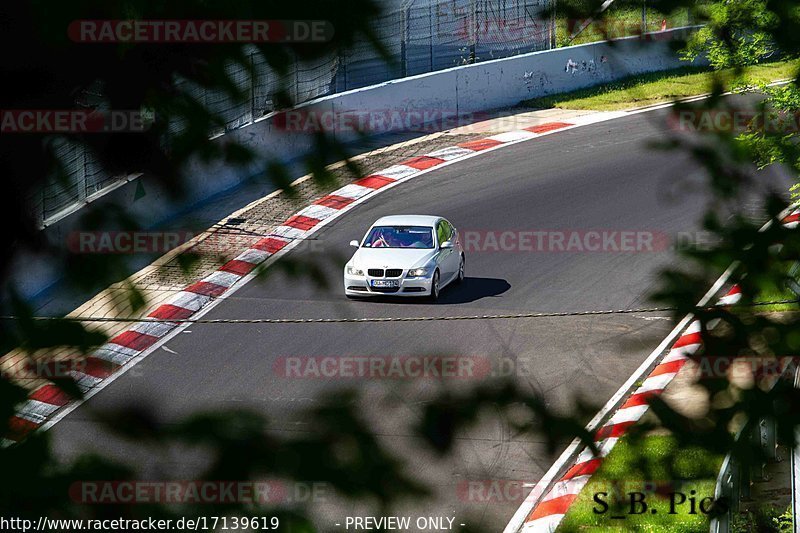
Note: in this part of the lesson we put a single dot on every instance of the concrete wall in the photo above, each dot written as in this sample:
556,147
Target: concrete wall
483,86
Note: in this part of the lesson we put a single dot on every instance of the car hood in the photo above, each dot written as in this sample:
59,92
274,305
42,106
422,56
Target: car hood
392,257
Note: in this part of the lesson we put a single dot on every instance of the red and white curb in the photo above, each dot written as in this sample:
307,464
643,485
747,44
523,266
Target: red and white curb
44,403
551,509
546,514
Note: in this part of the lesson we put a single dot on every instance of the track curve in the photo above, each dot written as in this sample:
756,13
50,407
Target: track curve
603,177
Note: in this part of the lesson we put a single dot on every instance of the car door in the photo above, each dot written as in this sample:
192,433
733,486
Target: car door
455,256
448,257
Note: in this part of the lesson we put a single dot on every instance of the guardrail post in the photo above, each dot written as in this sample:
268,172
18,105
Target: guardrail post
756,469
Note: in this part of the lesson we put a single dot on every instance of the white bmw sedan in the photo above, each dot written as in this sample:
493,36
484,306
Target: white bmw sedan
405,255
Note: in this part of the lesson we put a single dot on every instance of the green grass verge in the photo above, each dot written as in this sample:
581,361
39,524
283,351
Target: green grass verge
655,466
618,21
776,296
772,293
773,296
658,87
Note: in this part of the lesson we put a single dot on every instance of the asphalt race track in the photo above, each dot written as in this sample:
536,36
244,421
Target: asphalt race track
603,177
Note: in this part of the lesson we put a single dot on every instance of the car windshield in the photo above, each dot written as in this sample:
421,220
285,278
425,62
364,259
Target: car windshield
400,237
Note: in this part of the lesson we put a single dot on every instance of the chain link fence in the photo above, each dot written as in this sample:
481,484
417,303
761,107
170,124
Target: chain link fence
419,36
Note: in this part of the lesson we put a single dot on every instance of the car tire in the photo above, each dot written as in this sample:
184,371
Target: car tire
435,287
460,277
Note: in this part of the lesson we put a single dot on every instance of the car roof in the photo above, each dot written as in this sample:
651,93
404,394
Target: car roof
407,220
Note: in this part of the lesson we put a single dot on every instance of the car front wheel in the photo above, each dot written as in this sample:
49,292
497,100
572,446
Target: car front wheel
460,278
435,288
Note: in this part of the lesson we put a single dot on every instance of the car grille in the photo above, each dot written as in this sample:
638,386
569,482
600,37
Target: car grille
389,272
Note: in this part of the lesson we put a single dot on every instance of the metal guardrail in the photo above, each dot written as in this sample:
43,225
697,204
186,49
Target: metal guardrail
727,489
733,481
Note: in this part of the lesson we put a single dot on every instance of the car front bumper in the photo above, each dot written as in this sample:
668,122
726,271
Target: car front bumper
362,286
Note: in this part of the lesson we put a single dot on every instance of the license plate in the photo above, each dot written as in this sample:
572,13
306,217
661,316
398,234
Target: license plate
385,283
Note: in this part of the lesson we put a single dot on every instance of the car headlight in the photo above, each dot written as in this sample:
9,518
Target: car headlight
353,271
417,272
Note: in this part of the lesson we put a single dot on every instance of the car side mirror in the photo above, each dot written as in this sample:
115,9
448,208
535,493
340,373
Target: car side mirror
446,244
354,243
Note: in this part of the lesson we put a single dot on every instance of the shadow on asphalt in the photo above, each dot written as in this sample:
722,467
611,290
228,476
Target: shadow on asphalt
472,289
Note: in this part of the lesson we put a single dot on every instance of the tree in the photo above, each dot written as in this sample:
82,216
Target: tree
54,71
